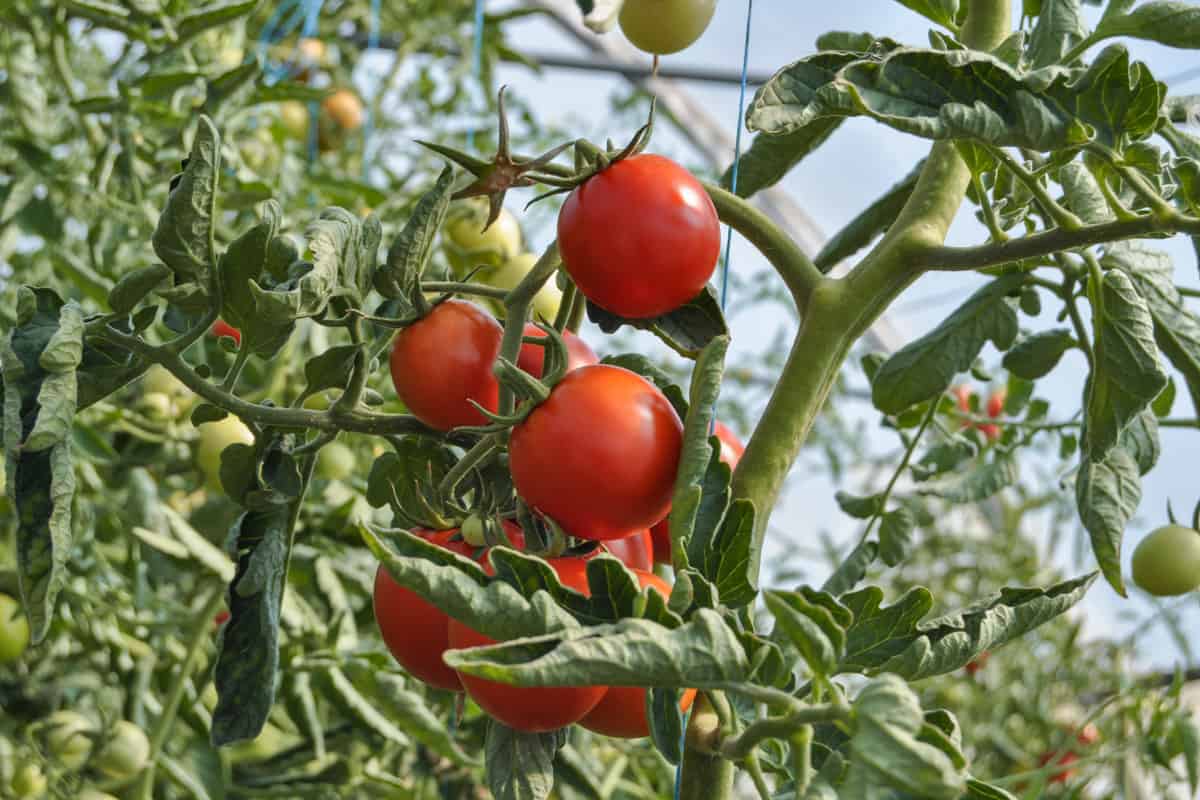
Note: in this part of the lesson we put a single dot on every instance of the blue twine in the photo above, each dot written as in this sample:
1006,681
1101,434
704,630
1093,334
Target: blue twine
687,715
312,17
478,60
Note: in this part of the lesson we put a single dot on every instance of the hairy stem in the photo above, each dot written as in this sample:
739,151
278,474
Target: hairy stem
704,774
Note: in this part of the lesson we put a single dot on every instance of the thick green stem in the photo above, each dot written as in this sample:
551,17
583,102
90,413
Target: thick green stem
704,775
516,305
840,311
201,634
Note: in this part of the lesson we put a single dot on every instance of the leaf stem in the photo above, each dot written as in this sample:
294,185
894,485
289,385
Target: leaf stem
801,742
477,289
1062,217
741,745
201,634
516,304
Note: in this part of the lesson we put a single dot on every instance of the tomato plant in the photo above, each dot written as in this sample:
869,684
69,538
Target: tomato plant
1167,561
669,243
665,26
600,420
124,753
443,362
535,710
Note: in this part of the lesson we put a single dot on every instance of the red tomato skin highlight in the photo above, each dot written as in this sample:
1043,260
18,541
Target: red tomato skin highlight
600,455
444,360
532,709
415,631
622,712
532,357
636,552
222,328
641,238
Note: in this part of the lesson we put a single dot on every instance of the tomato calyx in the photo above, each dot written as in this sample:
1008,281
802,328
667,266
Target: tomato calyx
494,178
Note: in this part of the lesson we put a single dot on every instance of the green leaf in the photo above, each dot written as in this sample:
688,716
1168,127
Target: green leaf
406,479
248,657
896,639
979,483
213,15
38,359
860,507
1165,401
666,723
687,330
1059,28
407,258
26,96
1036,355
1107,492
329,370
1140,440
943,12
1170,22
978,790
1083,194
885,752
1127,374
872,222
520,766
810,625
963,94
895,535
183,237
770,158
633,652
349,699
134,286
693,486
242,267
944,457
852,569
1176,328
924,368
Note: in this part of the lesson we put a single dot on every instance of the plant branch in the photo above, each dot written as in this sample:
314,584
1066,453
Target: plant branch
201,634
1054,241
477,289
795,267
516,304
739,746
1049,206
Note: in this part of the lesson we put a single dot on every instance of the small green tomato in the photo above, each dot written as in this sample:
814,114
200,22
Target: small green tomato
125,753
465,231
214,438
68,738
14,629
1167,562
158,380
665,26
29,782
548,299
335,462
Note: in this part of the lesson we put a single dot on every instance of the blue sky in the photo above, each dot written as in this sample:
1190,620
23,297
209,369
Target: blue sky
860,161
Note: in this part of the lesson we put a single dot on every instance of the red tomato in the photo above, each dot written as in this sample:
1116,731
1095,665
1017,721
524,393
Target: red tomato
415,631
978,663
622,712
444,360
600,454
640,238
1065,759
534,709
1090,734
731,453
636,552
963,394
221,617
533,356
995,403
222,328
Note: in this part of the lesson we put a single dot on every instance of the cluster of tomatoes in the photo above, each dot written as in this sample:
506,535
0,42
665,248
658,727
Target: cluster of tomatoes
994,407
598,456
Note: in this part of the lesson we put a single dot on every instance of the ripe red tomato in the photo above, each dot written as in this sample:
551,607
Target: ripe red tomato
222,328
1065,759
221,617
444,360
532,709
963,394
636,552
415,631
978,663
600,454
995,403
669,242
622,712
533,356
731,453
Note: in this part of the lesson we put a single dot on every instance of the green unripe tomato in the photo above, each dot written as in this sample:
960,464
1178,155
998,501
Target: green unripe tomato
157,405
125,753
14,629
321,401
665,26
465,231
293,119
68,738
473,532
214,438
269,742
29,783
158,380
95,794
548,299
1167,562
335,462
